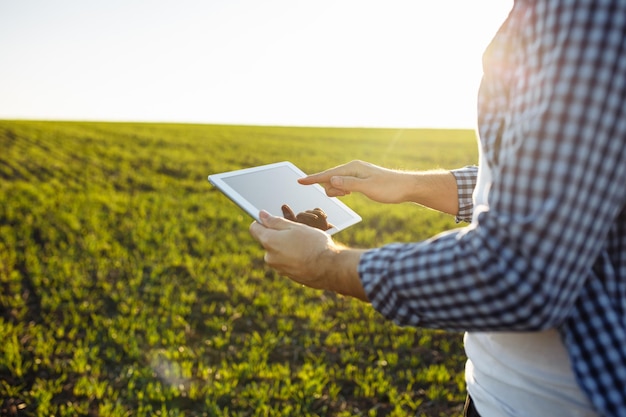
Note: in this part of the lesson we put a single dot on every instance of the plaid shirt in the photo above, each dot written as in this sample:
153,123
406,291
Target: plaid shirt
550,252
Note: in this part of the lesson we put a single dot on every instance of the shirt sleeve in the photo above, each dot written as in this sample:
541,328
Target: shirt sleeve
555,139
465,184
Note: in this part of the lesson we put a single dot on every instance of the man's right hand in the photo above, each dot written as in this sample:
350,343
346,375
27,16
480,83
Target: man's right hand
434,189
377,183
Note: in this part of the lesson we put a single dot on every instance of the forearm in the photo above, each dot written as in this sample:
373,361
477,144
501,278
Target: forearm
433,189
340,266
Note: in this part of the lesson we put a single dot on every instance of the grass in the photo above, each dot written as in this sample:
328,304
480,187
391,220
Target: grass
129,286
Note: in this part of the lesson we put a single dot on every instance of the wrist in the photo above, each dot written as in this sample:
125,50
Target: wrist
339,271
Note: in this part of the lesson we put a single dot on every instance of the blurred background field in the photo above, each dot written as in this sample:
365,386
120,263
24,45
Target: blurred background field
130,287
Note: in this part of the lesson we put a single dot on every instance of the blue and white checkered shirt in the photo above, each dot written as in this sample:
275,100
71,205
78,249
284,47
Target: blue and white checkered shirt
550,252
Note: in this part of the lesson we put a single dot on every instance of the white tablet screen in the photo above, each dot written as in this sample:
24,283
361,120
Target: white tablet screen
268,187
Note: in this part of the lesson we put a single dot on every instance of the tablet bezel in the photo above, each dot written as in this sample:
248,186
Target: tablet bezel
234,195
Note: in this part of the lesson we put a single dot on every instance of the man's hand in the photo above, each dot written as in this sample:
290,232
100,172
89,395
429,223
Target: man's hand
314,218
308,255
434,189
379,184
294,249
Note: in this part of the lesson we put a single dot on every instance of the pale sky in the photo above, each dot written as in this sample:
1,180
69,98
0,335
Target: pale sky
384,63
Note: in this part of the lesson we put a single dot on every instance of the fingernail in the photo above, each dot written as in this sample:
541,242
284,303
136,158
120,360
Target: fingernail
264,215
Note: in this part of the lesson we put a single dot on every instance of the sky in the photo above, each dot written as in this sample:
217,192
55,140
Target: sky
350,63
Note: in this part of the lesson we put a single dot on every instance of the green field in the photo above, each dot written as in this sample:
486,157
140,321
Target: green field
130,287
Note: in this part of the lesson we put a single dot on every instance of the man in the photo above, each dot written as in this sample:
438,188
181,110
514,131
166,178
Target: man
538,279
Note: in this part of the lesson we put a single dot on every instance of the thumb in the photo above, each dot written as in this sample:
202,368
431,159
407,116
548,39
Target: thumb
346,183
273,222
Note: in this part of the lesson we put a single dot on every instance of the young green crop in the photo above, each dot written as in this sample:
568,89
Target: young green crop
129,286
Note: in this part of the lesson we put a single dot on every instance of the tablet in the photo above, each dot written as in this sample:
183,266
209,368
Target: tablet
268,187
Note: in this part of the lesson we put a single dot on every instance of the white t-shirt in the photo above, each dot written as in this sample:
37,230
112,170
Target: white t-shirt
519,374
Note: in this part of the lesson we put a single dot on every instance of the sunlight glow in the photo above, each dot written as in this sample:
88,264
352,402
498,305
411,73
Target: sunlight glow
403,63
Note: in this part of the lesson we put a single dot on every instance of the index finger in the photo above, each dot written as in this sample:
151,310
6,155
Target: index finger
319,178
288,213
325,176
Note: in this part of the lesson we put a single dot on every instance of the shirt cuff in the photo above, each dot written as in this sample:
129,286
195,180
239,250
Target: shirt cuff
465,183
